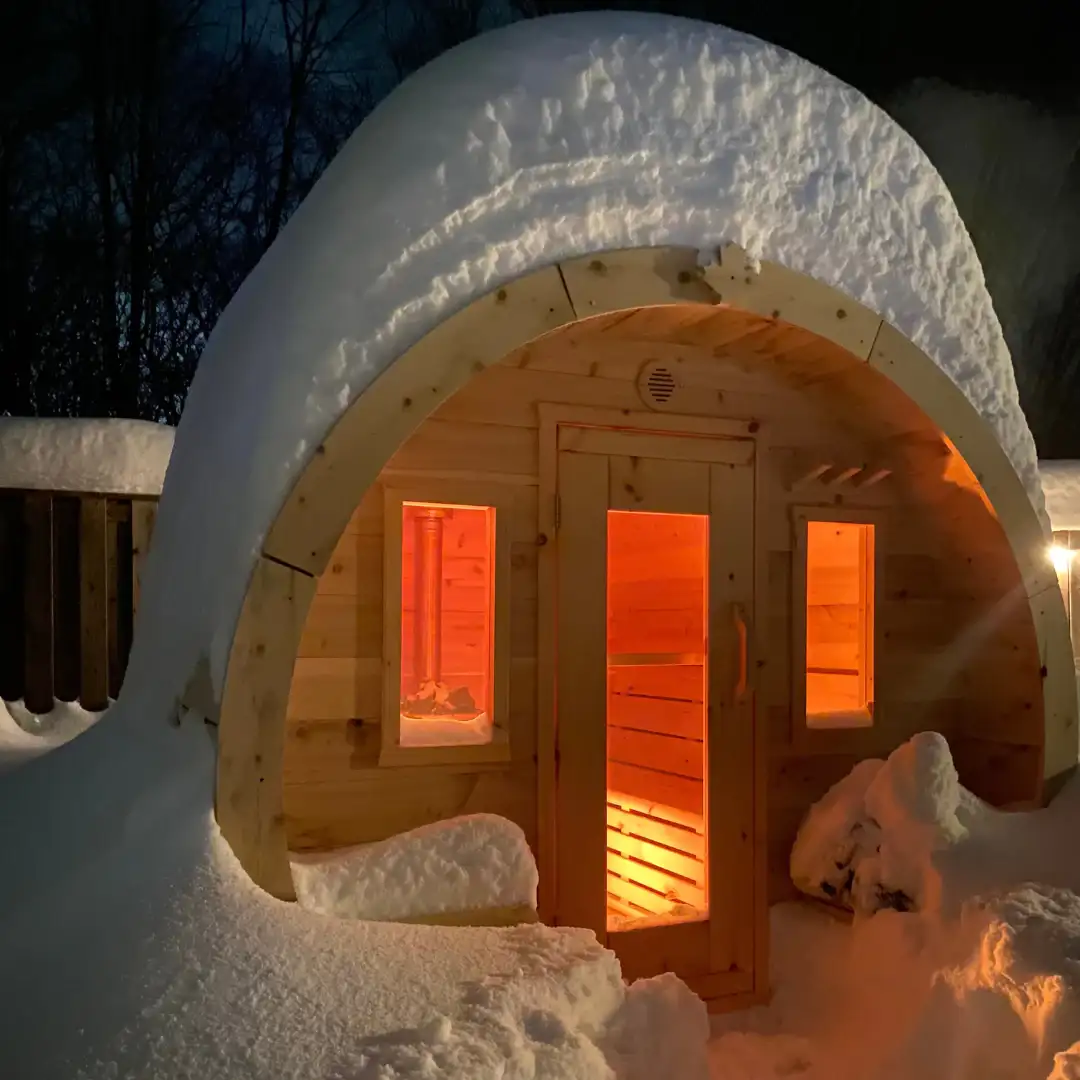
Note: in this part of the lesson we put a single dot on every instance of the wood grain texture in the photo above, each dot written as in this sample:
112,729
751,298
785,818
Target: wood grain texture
968,621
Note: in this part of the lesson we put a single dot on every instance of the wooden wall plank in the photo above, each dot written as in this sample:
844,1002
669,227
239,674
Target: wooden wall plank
94,603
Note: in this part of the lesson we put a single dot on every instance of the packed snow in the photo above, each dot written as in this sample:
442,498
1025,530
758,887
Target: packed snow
976,976
1061,487
25,735
143,950
111,457
462,864
543,141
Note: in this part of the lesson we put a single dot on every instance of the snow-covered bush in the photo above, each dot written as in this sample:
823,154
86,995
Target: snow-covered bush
869,843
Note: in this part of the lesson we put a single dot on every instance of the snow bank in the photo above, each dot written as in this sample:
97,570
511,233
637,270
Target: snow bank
462,864
112,457
1015,1001
661,1030
1061,487
24,735
560,1016
143,950
543,141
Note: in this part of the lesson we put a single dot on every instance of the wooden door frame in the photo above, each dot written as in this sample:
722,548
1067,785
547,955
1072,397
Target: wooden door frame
551,418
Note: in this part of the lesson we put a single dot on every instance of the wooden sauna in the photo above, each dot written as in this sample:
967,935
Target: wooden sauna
648,586
642,559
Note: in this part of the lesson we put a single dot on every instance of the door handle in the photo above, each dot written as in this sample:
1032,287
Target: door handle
743,631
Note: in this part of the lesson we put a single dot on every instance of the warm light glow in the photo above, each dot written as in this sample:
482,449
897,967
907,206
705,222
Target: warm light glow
839,624
447,617
657,619
1061,557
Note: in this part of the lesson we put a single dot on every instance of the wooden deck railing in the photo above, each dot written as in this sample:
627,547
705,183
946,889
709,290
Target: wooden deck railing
70,565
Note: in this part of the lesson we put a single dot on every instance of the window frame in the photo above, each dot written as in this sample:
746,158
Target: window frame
456,493
802,732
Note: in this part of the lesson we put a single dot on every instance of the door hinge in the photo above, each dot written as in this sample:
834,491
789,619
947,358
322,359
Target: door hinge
557,512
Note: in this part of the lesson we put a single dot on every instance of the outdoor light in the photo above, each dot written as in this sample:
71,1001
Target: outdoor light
1061,557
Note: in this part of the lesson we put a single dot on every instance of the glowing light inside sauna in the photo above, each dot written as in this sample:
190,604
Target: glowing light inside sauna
839,624
1061,558
657,627
447,623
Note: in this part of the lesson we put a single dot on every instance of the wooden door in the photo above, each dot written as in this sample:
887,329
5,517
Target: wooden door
655,744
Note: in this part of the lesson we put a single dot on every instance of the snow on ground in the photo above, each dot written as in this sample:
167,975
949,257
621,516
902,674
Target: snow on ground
544,141
24,735
143,951
122,457
462,864
978,977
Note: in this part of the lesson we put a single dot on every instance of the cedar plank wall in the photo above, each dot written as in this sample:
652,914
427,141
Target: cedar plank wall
956,651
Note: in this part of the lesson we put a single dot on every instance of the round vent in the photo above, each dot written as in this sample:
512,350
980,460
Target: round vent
657,384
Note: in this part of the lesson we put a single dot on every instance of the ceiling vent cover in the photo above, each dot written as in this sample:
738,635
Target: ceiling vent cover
657,385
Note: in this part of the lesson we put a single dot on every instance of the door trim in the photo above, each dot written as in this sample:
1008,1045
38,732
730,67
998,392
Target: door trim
551,417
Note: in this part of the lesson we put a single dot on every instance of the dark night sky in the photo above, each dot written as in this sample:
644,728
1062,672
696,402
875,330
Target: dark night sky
879,46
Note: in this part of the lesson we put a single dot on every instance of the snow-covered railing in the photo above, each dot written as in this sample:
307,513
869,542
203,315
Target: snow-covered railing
77,505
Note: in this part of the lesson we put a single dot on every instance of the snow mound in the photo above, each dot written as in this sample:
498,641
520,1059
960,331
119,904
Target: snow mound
1067,1064
144,950
111,457
24,735
563,1015
460,864
870,842
661,1030
548,140
1013,1004
1061,488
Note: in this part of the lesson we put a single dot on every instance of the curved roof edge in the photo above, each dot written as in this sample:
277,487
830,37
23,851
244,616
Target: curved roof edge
542,142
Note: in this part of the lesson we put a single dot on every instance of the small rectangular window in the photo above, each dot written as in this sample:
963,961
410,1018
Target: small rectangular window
447,624
839,624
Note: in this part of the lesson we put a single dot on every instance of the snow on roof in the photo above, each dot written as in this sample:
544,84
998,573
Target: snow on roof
547,140
1061,488
111,457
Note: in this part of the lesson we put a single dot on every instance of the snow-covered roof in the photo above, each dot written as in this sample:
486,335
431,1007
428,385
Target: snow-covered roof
111,457
1061,487
544,141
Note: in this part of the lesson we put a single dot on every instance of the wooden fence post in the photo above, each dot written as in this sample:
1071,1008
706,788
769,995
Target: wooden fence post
143,513
12,604
38,597
94,603
66,637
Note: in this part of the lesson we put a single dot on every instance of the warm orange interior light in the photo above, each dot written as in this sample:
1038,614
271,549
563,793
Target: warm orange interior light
657,620
447,611
839,624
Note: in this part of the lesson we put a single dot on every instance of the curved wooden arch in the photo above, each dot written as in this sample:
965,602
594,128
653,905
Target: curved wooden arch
317,510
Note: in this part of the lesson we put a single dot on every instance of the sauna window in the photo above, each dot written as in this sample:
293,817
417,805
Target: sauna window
446,692
657,646
839,624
